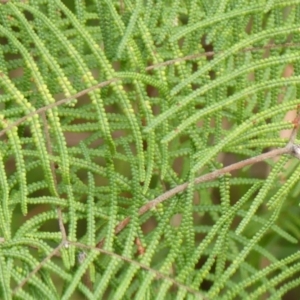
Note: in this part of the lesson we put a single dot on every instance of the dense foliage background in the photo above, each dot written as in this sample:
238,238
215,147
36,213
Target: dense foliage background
185,88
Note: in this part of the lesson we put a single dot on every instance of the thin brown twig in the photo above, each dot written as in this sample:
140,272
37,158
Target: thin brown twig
107,82
204,178
290,148
212,53
58,209
142,266
58,103
38,267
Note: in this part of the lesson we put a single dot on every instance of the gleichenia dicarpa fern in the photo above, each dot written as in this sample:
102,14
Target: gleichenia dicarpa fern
184,87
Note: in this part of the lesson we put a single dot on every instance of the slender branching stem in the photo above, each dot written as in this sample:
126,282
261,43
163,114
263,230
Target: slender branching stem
213,53
158,274
39,266
290,148
204,178
108,82
55,104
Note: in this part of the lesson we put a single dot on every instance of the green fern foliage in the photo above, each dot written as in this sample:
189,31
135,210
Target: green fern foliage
183,88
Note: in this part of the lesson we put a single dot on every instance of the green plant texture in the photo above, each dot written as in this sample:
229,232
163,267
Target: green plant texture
107,104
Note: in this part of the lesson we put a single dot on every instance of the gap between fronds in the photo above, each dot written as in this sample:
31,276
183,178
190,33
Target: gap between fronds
158,275
49,149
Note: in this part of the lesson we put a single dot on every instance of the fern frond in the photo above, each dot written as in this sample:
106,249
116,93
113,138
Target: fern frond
107,108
